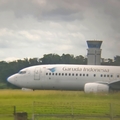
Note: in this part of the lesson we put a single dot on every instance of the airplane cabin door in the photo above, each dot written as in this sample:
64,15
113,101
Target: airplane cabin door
37,74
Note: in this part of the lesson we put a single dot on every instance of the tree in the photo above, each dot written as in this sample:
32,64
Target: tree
67,59
80,60
117,60
51,59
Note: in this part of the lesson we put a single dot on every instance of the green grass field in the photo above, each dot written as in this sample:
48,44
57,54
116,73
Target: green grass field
58,102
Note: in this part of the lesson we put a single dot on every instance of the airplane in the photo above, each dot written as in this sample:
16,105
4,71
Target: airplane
87,78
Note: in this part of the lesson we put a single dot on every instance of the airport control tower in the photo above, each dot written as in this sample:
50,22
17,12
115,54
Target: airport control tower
94,52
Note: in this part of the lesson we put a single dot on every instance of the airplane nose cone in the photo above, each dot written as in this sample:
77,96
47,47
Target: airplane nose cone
10,79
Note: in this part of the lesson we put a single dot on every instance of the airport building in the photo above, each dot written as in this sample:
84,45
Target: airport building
94,52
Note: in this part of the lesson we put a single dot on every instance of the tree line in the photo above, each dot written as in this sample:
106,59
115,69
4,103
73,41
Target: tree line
9,68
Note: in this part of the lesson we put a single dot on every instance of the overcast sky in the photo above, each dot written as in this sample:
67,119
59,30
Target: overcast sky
32,28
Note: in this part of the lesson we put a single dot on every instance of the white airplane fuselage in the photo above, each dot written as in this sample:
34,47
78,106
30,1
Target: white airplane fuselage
66,77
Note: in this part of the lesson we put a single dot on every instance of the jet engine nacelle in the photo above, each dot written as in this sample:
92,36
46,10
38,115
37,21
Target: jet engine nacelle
96,88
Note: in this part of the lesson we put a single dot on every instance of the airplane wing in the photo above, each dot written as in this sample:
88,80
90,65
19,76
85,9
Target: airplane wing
113,85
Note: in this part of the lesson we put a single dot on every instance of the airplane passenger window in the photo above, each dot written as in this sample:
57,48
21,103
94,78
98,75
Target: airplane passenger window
104,75
69,74
107,75
46,73
56,74
73,74
52,73
111,75
62,74
101,75
83,74
87,75
49,73
65,74
76,74
117,76
94,75
80,74
59,74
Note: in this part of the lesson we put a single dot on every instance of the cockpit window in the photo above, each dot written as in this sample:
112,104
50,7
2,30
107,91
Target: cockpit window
22,72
